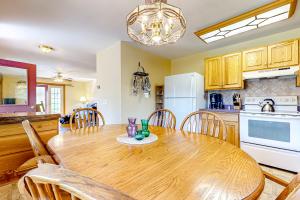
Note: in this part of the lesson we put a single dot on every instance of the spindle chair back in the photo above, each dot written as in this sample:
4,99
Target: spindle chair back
85,118
163,118
53,182
206,123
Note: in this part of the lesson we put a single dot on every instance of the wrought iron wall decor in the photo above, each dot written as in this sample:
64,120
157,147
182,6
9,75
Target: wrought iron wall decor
141,82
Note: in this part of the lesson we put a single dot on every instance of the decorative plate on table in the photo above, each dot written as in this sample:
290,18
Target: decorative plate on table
124,139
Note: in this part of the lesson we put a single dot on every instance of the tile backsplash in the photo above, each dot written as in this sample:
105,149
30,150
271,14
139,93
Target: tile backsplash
263,87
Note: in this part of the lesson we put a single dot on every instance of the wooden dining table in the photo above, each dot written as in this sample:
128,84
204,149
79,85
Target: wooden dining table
178,165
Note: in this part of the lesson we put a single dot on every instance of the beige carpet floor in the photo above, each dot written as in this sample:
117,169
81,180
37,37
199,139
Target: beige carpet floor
271,190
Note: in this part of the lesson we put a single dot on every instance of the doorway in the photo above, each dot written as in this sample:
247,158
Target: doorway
56,98
52,97
41,95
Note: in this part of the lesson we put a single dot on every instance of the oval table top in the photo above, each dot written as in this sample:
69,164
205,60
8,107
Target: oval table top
178,165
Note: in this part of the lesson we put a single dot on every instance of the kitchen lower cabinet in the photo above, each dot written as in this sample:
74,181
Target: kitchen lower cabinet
15,148
232,129
231,120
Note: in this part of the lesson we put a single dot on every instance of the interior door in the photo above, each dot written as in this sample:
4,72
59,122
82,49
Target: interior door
56,99
213,74
232,71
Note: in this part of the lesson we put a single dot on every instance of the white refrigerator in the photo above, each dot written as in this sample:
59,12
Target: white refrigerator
184,93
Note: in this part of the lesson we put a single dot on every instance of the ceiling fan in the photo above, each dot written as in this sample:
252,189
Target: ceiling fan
59,78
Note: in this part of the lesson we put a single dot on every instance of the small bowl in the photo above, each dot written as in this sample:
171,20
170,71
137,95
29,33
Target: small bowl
139,136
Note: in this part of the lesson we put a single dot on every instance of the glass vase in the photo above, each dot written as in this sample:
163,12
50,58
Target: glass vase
132,127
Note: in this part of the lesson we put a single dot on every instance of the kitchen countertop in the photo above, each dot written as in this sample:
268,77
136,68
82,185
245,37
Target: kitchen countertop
13,118
221,110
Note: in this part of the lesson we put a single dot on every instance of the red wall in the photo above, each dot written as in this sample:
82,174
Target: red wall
31,73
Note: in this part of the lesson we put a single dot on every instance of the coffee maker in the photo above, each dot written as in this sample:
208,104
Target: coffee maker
216,101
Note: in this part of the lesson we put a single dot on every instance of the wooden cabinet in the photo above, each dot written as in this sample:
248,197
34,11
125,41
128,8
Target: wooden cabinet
283,54
231,121
233,133
255,59
15,148
232,71
213,73
224,72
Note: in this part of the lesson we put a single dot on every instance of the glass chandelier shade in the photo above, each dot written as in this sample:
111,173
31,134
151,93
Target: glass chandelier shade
21,84
156,23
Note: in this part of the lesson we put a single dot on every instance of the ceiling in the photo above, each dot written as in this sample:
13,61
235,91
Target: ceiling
78,29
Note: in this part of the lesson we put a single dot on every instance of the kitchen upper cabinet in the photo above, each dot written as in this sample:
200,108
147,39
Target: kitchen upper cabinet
224,72
255,59
232,71
283,54
213,73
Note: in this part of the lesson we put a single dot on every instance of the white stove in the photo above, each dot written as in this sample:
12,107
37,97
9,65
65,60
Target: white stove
272,138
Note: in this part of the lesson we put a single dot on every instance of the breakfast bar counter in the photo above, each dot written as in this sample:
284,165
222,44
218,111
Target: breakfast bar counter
15,148
13,118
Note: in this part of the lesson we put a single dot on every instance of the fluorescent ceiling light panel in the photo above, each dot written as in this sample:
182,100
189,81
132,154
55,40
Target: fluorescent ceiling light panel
265,15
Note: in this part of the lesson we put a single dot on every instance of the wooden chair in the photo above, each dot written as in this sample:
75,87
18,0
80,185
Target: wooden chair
86,117
40,107
164,118
56,183
39,149
291,190
206,123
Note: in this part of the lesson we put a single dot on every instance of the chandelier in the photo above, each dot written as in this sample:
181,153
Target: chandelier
156,23
21,84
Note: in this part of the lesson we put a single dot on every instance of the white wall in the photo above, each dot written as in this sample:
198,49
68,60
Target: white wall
74,93
157,67
115,67
109,79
